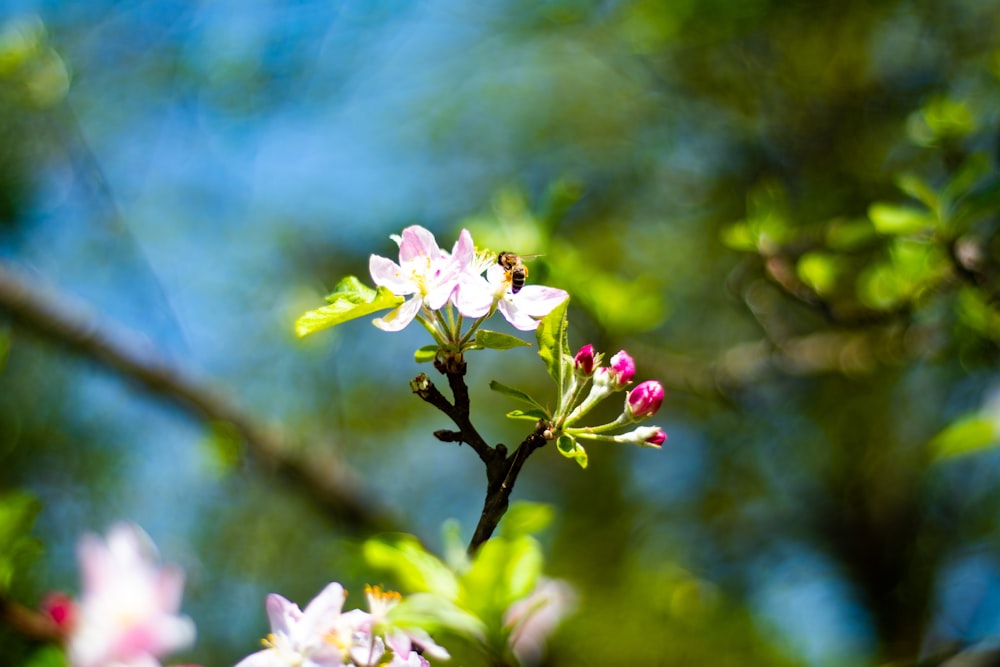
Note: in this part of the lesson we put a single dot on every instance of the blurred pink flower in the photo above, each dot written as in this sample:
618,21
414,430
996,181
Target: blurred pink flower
534,618
128,612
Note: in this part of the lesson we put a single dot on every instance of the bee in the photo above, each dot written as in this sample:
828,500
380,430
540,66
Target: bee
517,272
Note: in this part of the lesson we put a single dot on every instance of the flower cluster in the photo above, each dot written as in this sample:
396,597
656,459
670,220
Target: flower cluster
322,635
127,614
641,402
471,282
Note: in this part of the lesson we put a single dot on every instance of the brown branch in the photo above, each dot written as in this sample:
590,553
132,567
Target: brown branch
500,483
501,470
329,483
30,623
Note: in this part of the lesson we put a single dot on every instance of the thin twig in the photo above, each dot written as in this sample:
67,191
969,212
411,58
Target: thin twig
501,470
329,483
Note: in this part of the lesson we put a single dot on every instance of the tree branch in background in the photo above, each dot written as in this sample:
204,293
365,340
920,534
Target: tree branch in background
329,483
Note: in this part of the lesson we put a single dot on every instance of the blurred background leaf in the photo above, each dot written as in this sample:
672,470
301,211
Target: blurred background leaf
699,175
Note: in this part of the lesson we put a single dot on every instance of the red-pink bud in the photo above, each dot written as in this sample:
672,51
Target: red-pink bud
584,360
61,609
622,368
644,400
657,438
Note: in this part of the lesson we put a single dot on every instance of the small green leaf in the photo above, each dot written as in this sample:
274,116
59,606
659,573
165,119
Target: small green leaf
5,345
940,119
849,234
529,415
899,220
414,567
525,518
503,571
425,354
738,236
819,271
975,167
553,344
430,611
516,394
975,311
453,546
17,546
48,656
351,299
967,435
494,340
918,188
571,449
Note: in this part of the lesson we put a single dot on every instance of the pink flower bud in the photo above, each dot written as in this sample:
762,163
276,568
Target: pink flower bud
622,368
658,438
584,360
60,608
644,400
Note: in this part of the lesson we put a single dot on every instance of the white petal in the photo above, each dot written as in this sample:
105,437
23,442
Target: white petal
474,297
266,658
387,273
397,319
417,242
517,317
539,300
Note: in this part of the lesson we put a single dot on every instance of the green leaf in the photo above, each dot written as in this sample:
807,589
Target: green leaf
913,268
524,565
571,449
738,236
414,567
967,435
503,570
516,394
17,547
819,271
553,345
5,345
849,234
494,340
529,415
431,612
525,518
453,546
975,204
425,354
941,119
351,299
898,220
975,311
975,167
48,656
917,188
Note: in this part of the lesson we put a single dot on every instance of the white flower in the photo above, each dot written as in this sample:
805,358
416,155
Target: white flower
319,636
424,271
533,618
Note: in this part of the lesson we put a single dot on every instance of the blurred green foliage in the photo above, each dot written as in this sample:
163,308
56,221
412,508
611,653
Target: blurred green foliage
787,212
